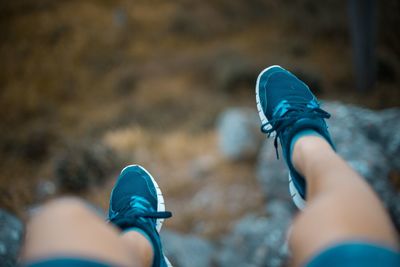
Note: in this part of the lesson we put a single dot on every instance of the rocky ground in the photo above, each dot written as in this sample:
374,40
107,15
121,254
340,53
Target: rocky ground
368,140
89,86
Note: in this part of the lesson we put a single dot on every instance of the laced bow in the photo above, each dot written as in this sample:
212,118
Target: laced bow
286,114
137,207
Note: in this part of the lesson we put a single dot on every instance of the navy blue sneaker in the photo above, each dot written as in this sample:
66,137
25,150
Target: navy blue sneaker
136,201
286,106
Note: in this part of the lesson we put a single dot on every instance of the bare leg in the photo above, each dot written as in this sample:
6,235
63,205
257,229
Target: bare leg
67,227
340,204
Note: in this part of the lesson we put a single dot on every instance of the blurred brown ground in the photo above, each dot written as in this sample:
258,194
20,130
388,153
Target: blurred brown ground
149,78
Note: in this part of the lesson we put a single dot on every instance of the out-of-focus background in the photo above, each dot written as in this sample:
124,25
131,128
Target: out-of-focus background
87,87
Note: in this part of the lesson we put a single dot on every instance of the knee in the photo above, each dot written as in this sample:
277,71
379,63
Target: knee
61,209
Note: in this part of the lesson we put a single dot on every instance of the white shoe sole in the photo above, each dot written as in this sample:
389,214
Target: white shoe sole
296,197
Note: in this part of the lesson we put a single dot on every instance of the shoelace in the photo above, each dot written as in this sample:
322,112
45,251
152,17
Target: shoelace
137,207
286,114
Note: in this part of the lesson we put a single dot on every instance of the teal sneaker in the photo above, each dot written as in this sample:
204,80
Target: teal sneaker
136,201
286,106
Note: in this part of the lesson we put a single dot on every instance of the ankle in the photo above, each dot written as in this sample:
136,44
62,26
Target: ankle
305,149
139,243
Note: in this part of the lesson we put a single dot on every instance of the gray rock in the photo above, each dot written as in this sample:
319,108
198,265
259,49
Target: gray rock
187,250
11,235
272,173
258,240
238,132
379,127
390,136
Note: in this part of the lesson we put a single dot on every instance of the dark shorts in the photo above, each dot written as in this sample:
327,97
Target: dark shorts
343,255
356,254
67,262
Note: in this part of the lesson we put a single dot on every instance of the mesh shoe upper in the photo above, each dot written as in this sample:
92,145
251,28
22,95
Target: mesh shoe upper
133,181
277,85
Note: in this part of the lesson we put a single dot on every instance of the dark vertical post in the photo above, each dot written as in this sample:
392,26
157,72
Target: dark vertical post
363,26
